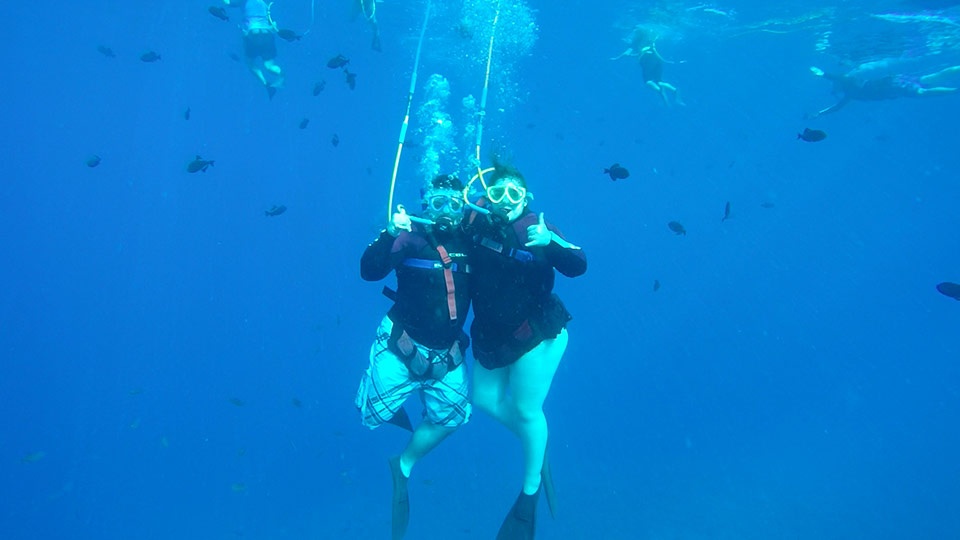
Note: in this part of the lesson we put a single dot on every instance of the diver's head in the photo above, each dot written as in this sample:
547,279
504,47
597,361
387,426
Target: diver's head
507,192
442,202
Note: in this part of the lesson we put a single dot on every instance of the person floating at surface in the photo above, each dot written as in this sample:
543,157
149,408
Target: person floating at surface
420,343
519,327
369,10
644,47
851,87
259,42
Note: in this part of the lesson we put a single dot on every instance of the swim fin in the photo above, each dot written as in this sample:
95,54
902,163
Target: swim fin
546,485
521,522
402,420
401,500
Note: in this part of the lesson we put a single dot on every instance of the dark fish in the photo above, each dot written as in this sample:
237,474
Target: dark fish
949,289
199,164
767,204
351,79
237,401
297,403
218,12
726,211
656,285
812,135
93,161
149,56
616,172
106,51
271,91
304,123
338,61
288,35
335,140
234,56
275,210
317,88
186,114
677,228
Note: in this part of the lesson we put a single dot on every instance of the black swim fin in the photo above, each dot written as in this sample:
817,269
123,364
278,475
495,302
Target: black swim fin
401,500
546,485
521,522
402,420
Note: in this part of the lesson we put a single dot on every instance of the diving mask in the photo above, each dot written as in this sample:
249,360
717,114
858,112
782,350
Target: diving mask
512,192
439,203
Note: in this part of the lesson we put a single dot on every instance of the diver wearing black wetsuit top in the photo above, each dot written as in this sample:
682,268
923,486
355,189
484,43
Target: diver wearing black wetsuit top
518,330
420,344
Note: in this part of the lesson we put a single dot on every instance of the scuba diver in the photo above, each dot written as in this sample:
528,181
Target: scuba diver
420,343
259,42
852,87
519,327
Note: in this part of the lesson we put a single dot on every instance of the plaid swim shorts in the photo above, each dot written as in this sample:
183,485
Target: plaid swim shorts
387,383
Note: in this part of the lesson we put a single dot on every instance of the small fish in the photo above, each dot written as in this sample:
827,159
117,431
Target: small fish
186,114
93,161
726,211
218,12
297,403
199,164
767,204
351,79
135,391
338,61
677,228
616,172
949,289
33,457
335,140
288,35
135,424
237,401
238,487
234,56
656,285
812,135
106,51
304,123
275,210
317,88
149,56
165,442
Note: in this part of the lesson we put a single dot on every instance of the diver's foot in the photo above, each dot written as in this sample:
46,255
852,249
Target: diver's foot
520,523
401,500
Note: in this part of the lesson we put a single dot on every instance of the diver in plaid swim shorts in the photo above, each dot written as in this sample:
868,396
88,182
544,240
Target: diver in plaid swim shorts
420,344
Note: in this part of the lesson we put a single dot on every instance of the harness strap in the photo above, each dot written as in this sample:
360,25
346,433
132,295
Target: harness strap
428,264
518,254
448,278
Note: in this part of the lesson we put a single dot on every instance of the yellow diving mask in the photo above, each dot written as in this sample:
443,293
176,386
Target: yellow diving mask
510,191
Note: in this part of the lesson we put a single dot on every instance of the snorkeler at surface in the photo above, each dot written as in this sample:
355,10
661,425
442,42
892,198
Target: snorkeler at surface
644,47
851,87
259,42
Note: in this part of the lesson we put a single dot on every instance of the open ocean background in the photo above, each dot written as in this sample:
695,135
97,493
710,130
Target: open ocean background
178,365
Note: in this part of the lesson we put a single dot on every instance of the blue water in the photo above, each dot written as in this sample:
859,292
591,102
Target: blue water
178,365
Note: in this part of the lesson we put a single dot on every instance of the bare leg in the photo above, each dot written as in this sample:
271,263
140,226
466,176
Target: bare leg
938,77
658,89
530,380
426,437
